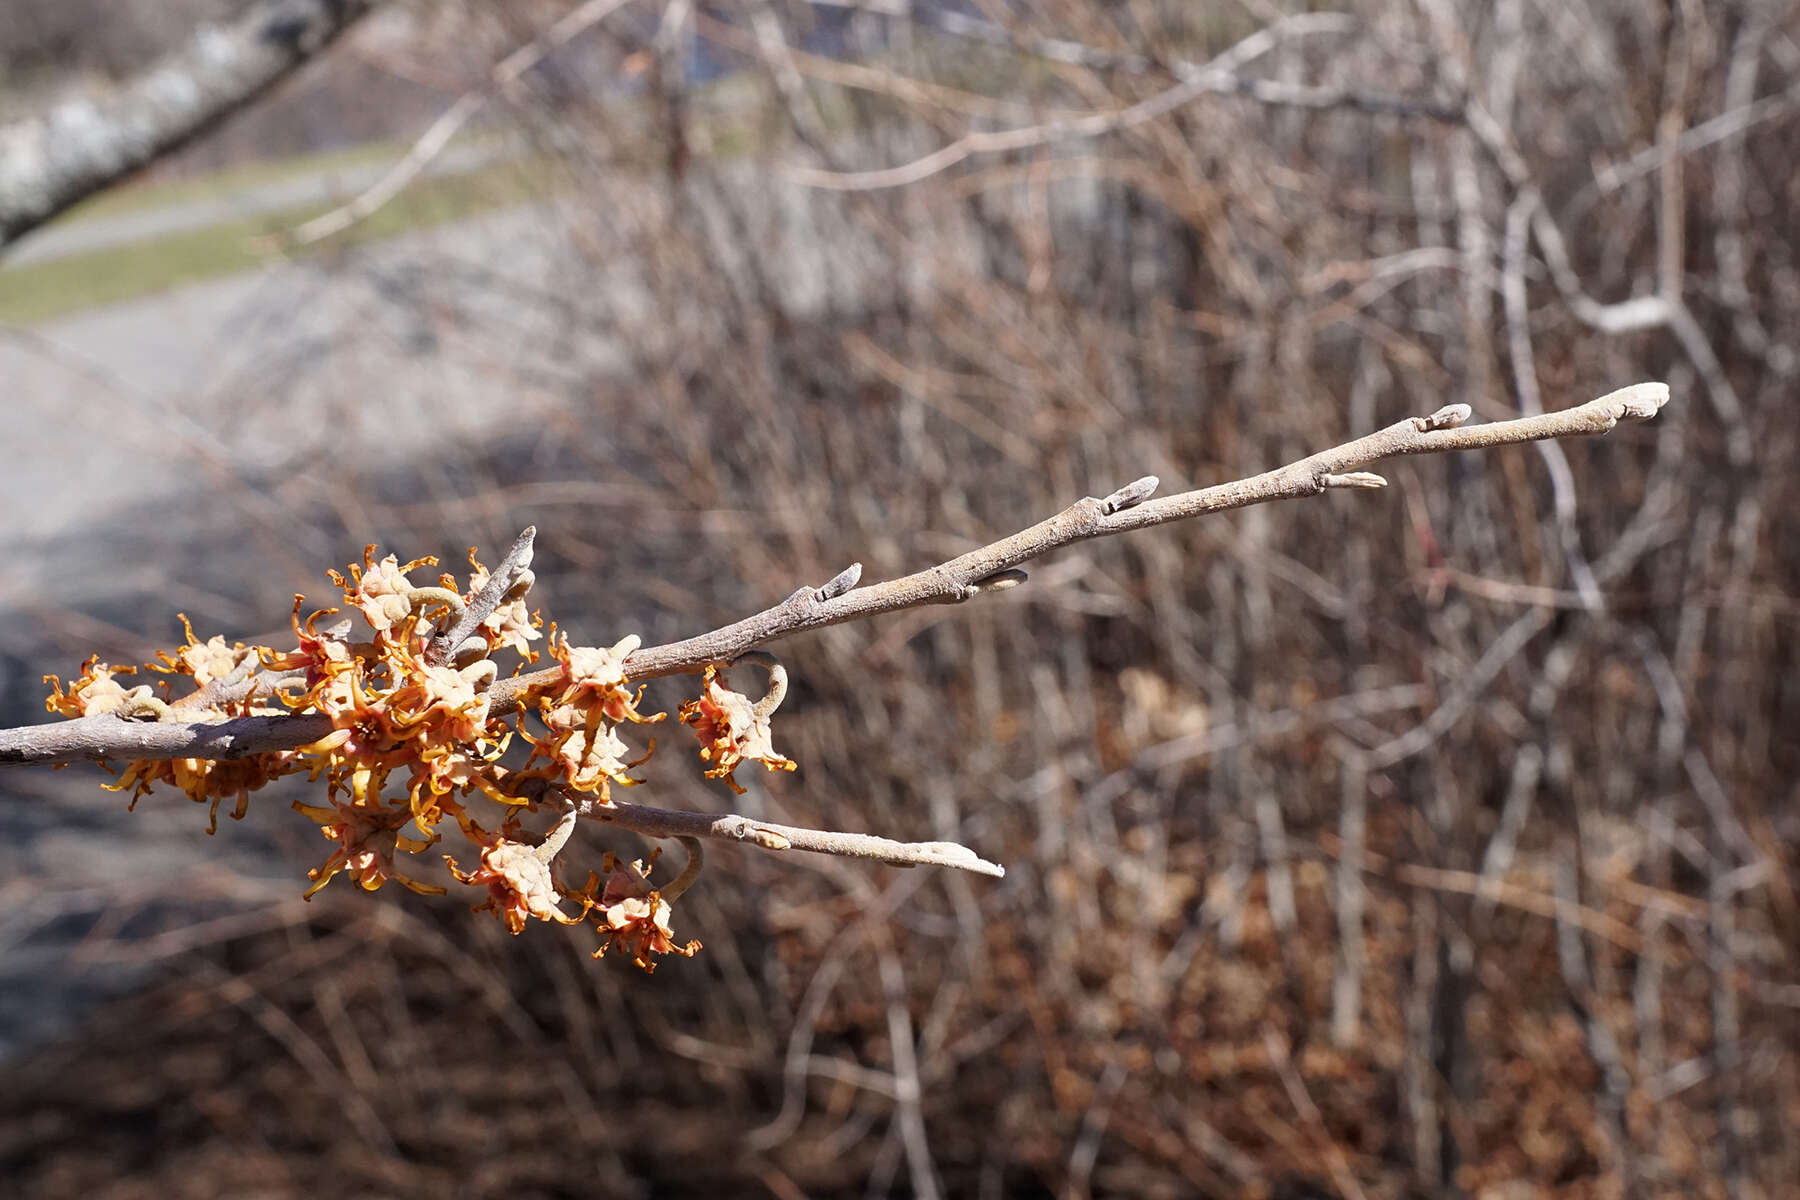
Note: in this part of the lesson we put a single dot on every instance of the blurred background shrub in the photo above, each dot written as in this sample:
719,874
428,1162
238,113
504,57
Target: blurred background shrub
1434,841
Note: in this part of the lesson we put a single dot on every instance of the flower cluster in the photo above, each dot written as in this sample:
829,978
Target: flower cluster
417,737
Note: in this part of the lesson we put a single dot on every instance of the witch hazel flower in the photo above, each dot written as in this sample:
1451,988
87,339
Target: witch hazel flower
95,691
366,837
633,917
595,678
517,877
380,590
208,661
733,729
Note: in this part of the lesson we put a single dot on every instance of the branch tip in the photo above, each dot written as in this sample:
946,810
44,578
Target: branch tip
1131,495
840,583
1354,479
1447,417
1640,401
513,574
999,581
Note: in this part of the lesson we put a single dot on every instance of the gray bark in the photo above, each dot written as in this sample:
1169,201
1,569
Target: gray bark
53,160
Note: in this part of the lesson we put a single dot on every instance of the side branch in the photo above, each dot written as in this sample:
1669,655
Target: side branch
965,576
432,142
516,566
986,569
668,823
1217,75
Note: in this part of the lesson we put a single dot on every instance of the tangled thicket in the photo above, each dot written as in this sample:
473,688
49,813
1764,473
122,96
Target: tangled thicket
1443,843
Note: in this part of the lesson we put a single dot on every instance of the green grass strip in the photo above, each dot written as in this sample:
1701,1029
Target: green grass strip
42,291
165,193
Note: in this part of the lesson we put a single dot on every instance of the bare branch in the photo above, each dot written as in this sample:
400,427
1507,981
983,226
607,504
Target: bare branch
1219,75
51,161
110,737
1086,519
696,862
1265,91
499,584
431,143
669,823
